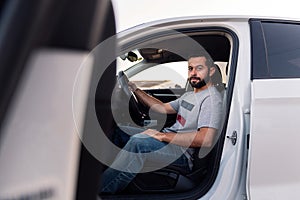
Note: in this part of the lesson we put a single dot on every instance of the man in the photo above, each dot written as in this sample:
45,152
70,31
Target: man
198,120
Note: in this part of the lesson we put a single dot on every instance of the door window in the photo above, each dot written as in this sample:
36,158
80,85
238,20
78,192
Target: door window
275,49
283,49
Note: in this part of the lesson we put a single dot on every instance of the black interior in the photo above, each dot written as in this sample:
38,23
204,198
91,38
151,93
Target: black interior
218,47
171,179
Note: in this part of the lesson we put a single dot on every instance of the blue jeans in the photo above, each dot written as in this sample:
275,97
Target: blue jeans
141,152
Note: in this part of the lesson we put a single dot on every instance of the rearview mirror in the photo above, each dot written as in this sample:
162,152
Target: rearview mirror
131,56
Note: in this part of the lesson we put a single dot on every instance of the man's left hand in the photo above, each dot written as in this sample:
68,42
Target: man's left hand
154,133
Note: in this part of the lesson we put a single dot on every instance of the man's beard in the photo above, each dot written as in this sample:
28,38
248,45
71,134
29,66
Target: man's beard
199,84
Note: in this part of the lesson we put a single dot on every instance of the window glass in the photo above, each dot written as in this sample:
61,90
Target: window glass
163,76
283,49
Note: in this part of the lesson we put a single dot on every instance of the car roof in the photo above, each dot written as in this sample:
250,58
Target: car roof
177,21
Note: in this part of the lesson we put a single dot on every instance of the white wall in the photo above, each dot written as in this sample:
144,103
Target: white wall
133,12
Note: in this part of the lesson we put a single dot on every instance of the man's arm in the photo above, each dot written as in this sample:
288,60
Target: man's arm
150,101
202,138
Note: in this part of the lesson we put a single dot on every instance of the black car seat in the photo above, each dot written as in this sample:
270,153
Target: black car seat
174,179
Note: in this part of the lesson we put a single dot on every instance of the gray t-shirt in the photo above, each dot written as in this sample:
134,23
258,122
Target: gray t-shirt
197,110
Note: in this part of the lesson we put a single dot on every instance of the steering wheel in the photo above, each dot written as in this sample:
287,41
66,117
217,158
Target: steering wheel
134,103
123,81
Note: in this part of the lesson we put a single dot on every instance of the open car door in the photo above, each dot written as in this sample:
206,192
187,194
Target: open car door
42,46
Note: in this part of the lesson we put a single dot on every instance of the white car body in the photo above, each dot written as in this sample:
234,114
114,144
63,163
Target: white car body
267,110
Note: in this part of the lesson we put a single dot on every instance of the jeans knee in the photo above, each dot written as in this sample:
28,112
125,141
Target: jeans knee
138,144
138,138
135,140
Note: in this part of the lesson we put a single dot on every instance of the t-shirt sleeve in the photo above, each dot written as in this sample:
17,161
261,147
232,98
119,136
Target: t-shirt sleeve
210,113
175,104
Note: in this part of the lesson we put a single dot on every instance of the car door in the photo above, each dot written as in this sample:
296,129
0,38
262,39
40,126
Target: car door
273,171
43,44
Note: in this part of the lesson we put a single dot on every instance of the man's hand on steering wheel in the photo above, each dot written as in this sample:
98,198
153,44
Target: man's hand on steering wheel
132,86
129,88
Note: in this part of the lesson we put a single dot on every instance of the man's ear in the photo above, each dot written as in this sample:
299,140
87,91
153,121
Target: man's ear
212,70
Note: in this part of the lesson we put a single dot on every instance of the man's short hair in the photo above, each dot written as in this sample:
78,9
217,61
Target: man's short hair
217,77
209,61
